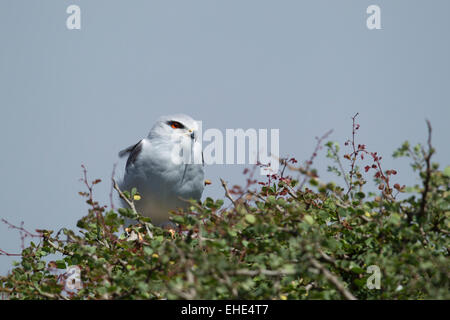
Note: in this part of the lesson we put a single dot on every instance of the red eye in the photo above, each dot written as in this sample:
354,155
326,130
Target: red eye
176,125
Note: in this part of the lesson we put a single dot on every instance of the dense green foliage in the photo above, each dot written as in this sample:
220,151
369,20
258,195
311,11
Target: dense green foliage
284,238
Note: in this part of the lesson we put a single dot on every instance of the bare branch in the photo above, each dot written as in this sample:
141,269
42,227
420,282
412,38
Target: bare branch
4,253
227,192
333,279
122,196
426,183
313,156
111,202
272,273
59,249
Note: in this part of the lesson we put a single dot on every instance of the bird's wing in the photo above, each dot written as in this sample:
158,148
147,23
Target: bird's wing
133,152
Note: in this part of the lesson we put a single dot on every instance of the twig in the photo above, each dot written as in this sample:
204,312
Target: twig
354,154
23,235
284,163
227,192
111,203
21,229
313,156
333,279
122,196
47,294
272,273
4,253
58,248
426,183
341,167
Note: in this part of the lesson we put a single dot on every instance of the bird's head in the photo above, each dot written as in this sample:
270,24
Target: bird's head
178,127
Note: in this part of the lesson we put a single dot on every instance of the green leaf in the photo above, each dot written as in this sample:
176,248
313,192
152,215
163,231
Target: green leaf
148,251
358,270
60,264
309,219
360,195
250,218
447,171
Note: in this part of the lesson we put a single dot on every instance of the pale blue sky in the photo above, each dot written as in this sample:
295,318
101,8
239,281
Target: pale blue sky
78,97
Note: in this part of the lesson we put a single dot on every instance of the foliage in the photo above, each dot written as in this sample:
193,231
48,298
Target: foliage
283,238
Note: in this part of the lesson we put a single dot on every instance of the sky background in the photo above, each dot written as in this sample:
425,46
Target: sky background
72,97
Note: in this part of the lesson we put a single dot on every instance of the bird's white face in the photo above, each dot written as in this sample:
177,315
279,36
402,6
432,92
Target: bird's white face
176,128
179,134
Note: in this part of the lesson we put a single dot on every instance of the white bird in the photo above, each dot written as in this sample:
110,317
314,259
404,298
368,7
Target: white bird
166,167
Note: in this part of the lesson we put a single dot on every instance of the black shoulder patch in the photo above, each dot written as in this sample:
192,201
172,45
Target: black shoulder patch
134,153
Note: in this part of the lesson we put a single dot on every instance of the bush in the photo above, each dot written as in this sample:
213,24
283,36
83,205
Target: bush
283,238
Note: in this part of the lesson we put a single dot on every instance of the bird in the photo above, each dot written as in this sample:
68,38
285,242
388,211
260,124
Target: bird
166,167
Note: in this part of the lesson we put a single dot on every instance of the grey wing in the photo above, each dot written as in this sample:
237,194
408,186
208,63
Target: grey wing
133,152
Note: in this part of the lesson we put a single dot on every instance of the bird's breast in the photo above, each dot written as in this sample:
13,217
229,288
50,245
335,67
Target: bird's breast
156,171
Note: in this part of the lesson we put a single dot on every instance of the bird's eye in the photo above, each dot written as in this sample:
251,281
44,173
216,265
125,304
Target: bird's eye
175,125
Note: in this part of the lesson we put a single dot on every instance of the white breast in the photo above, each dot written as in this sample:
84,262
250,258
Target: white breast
162,183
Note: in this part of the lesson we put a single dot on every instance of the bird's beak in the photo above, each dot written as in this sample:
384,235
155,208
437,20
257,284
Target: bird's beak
193,135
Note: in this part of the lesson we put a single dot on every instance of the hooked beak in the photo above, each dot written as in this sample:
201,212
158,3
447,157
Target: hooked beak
193,135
